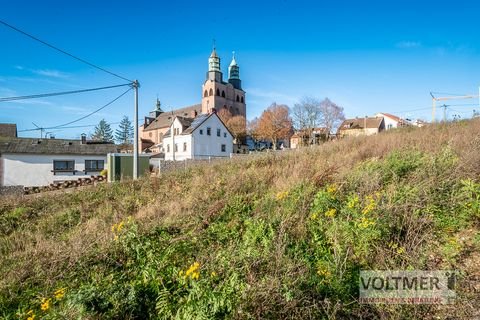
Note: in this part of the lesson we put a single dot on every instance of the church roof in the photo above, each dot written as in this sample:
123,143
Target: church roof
164,120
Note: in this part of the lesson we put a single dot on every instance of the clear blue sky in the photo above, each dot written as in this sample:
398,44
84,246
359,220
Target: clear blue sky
367,56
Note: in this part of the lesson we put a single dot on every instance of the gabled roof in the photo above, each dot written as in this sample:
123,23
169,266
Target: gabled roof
165,119
361,123
195,123
393,117
54,146
8,130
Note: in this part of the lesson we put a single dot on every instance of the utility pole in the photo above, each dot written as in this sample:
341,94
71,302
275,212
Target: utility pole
135,85
435,99
41,130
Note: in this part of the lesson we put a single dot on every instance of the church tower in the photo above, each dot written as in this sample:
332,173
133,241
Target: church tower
217,94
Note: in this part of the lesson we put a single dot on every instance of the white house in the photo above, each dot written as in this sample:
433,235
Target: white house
38,162
202,137
392,121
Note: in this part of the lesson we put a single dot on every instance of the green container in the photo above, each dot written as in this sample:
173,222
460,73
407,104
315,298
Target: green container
120,166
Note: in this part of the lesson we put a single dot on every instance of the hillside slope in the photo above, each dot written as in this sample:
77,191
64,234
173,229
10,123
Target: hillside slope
274,236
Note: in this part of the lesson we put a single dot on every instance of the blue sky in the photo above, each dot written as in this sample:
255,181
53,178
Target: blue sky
368,56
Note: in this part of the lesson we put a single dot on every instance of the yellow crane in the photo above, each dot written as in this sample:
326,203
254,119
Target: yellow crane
435,99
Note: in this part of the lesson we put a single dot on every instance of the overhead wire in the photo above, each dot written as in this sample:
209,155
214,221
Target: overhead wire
52,94
63,51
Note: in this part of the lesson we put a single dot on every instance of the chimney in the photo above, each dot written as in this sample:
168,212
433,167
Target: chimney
84,138
194,113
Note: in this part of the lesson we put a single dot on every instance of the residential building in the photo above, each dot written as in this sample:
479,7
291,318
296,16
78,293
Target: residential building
361,126
216,94
202,137
39,162
391,121
305,138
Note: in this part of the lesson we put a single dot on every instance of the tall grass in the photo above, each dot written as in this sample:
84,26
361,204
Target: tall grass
282,235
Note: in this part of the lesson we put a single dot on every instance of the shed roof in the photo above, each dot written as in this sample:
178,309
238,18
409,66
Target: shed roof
55,146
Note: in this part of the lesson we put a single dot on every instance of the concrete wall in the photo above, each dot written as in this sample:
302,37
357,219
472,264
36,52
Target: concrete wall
389,122
31,170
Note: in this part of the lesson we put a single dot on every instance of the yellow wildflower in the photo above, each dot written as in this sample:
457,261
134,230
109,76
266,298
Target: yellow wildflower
401,250
365,223
45,304
59,293
352,203
331,213
314,216
213,274
370,206
32,316
193,271
323,272
281,195
331,189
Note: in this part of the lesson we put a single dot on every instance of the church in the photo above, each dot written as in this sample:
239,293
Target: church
217,94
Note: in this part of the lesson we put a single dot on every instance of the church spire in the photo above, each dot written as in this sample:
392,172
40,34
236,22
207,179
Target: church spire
214,60
234,73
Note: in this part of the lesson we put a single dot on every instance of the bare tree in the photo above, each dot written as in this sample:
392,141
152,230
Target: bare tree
306,117
224,114
332,114
275,124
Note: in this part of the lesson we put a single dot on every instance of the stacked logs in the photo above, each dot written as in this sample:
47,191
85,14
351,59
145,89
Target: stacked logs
92,180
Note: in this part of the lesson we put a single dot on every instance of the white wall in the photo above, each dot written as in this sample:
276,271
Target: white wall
36,169
210,146
204,146
389,122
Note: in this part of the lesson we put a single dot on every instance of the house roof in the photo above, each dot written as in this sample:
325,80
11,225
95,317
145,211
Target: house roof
393,117
8,130
195,123
361,123
54,146
164,119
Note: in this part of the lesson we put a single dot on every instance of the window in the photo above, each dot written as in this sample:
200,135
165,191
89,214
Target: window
205,94
209,131
201,131
184,146
94,165
218,132
238,98
242,100
223,93
218,92
176,147
224,134
168,148
210,93
224,148
63,165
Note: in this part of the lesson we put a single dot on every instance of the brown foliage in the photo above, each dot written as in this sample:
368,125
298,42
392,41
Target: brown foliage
274,123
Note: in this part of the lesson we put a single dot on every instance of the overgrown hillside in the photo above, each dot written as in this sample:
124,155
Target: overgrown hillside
275,236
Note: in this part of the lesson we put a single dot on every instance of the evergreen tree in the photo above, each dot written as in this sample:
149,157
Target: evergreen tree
103,132
124,133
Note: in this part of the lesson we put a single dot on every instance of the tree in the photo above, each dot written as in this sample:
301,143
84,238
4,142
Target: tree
124,133
224,114
252,130
238,127
332,114
275,124
306,117
103,132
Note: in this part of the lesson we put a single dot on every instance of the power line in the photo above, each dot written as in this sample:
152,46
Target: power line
63,51
44,95
93,112
70,127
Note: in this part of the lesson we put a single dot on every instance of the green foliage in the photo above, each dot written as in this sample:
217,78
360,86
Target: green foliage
124,133
103,132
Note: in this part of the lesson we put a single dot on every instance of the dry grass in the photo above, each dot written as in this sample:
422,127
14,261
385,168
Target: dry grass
58,233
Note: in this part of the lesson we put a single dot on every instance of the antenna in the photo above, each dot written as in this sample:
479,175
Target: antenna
40,128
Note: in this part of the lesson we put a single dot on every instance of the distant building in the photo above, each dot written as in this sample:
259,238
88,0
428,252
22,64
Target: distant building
391,121
361,126
201,138
217,94
8,130
38,162
304,138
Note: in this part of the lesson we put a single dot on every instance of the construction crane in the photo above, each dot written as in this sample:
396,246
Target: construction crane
435,99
